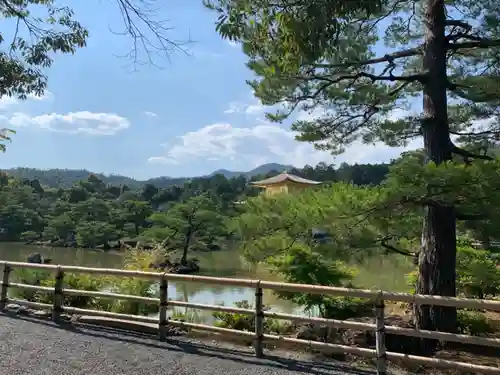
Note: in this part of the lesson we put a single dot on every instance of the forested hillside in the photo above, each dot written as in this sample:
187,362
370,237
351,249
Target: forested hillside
97,210
54,178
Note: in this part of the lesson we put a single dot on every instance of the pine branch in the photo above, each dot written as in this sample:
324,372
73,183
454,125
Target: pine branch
481,43
458,23
386,58
396,250
476,134
467,154
373,77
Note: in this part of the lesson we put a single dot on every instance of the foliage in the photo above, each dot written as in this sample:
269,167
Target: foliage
30,277
79,282
478,275
135,259
30,49
474,323
244,322
278,233
94,213
193,223
5,137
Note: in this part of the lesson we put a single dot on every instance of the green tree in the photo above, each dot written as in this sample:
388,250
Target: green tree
61,226
193,223
94,233
319,55
282,233
137,212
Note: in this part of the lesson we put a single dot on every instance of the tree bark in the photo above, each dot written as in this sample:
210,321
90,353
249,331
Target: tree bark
437,259
187,242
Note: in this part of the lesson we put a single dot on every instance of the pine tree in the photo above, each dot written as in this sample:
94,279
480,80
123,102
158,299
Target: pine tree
321,56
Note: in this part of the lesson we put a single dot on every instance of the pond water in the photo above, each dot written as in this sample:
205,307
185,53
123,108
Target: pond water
219,263
384,273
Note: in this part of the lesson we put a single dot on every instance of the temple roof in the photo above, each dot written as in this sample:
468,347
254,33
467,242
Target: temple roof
282,177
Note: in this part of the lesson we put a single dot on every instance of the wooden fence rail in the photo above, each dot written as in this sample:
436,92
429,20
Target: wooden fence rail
259,337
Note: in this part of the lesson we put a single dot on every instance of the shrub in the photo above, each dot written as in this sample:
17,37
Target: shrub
473,323
30,236
304,266
477,274
244,322
135,259
79,282
31,277
346,307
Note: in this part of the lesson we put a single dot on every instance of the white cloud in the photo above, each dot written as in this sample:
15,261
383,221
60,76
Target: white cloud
83,122
8,102
150,114
260,144
253,107
232,44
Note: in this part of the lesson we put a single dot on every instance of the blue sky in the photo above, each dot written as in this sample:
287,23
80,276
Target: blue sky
193,116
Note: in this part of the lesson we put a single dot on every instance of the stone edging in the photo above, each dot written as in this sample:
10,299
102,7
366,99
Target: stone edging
148,328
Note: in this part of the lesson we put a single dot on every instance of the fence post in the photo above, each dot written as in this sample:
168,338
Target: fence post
380,335
5,286
259,321
162,319
57,309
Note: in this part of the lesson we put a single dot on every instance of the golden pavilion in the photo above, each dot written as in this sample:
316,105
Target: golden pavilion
284,183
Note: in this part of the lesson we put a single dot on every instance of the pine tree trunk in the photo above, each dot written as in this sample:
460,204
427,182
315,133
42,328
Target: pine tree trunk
185,248
437,260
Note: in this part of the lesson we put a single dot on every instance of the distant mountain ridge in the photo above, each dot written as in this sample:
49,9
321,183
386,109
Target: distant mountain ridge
67,177
261,169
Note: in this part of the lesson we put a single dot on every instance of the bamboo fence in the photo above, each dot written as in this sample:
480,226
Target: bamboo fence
259,337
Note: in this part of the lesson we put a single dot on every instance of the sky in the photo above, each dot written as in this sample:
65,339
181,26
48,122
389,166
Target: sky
189,116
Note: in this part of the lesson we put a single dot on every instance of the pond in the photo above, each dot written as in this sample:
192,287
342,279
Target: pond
383,273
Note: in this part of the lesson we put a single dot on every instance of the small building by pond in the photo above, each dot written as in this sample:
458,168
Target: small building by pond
284,183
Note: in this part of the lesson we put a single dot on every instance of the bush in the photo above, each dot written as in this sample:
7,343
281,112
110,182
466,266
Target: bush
473,323
79,282
244,322
477,274
304,266
30,236
31,277
135,259
342,308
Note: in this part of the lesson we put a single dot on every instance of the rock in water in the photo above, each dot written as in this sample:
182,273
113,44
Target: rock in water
35,258
39,259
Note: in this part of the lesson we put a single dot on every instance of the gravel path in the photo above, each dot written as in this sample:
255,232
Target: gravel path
29,347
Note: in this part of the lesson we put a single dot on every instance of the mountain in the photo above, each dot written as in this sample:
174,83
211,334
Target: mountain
266,168
67,177
260,170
